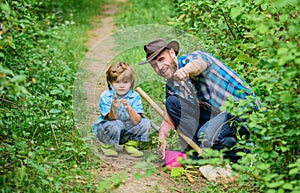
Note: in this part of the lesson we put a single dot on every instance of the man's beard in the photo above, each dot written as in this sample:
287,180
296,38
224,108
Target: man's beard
173,67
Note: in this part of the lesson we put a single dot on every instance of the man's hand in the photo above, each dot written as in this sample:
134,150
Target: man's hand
162,149
180,75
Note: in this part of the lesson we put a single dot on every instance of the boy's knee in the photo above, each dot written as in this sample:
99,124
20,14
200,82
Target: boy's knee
145,124
113,126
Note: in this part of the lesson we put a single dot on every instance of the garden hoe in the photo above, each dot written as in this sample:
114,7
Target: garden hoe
160,112
180,170
209,172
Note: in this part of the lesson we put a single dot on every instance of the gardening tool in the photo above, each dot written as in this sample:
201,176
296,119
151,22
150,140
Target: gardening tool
160,112
209,172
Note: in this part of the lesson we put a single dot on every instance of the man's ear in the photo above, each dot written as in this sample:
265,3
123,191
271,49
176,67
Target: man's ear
172,52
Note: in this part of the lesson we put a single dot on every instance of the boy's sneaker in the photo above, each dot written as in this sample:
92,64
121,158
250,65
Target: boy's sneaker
131,148
109,150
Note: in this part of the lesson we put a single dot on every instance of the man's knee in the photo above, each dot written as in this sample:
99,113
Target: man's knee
172,104
174,108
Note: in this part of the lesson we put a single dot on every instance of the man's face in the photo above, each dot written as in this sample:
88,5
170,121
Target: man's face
165,64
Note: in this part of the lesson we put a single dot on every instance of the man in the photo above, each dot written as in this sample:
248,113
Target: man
198,84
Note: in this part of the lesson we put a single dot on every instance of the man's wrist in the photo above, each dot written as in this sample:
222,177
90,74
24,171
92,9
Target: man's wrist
185,71
163,140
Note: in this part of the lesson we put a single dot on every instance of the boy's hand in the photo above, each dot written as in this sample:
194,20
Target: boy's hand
115,104
125,103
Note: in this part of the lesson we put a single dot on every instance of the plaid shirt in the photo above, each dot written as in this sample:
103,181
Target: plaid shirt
213,86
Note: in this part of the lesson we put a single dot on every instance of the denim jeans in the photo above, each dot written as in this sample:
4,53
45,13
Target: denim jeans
119,132
199,123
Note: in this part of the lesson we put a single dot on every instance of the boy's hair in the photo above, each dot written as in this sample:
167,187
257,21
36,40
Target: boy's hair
120,69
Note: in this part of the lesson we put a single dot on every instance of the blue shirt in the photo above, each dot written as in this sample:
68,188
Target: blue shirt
214,85
106,98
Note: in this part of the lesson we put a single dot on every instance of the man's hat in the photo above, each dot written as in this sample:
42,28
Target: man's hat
154,48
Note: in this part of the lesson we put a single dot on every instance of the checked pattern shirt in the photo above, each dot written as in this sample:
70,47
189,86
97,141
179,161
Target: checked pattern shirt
213,86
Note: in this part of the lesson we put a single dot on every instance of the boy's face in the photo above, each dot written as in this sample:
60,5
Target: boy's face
122,85
165,64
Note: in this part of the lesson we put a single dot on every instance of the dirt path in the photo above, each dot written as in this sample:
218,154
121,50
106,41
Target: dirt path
95,83
101,51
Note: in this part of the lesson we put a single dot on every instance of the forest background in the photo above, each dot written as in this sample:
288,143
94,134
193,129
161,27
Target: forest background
43,42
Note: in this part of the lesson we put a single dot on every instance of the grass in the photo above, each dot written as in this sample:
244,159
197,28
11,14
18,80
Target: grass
41,151
139,12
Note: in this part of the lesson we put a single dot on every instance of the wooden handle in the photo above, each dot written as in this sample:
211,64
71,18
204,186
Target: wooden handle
190,142
150,101
160,111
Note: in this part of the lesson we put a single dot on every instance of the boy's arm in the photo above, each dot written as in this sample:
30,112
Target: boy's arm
107,106
113,115
134,116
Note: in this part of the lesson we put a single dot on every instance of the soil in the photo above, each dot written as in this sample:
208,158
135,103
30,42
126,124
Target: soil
95,83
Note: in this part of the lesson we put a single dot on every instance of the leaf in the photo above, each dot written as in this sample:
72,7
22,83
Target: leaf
5,8
5,70
250,46
263,166
57,102
55,92
294,171
55,111
242,57
288,186
18,78
264,7
275,184
284,148
262,28
286,97
235,12
282,51
284,17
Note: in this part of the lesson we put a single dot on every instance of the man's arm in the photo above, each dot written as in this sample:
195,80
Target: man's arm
193,68
165,127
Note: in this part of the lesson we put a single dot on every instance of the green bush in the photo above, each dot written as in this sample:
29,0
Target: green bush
40,50
260,40
140,12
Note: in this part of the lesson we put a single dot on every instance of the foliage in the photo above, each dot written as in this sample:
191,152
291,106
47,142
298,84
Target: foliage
111,183
139,12
42,45
260,40
40,50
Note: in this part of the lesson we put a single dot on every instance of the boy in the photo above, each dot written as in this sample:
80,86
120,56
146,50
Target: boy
121,120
